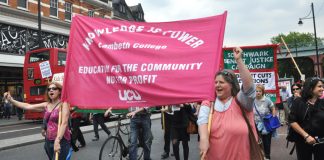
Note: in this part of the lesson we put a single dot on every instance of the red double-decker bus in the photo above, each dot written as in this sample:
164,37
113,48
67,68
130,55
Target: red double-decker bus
34,84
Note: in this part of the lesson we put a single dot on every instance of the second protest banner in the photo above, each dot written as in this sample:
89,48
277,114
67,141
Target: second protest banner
262,62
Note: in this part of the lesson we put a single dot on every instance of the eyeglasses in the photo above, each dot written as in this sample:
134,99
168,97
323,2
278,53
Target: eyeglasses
295,89
52,88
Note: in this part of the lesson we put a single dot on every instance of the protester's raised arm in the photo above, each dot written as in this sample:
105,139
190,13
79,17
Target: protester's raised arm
25,106
244,71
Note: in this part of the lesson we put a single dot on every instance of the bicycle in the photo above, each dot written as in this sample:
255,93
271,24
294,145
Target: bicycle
114,147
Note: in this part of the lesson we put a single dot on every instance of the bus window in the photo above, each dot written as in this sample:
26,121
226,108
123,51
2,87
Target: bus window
40,56
37,90
30,73
61,58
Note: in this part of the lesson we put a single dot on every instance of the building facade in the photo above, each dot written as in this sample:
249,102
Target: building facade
19,29
306,60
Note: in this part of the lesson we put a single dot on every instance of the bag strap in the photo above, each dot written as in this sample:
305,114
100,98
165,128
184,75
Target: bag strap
257,111
244,115
292,149
306,112
210,117
52,112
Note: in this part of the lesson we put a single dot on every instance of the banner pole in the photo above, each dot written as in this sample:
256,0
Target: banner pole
283,41
58,129
163,120
210,118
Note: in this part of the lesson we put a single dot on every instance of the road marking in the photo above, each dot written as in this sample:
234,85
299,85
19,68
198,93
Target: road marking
17,130
13,125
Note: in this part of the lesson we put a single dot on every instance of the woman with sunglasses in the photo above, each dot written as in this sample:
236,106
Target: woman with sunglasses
296,90
229,133
307,119
54,141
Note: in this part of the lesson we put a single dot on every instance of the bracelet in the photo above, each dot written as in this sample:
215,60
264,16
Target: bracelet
306,137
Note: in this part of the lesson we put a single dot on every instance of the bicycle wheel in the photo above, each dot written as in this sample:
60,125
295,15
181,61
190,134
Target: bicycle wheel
111,149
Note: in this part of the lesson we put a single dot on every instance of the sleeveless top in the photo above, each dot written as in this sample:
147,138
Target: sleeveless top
52,120
229,137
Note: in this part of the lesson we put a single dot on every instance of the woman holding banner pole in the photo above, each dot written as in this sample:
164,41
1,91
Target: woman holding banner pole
55,141
228,138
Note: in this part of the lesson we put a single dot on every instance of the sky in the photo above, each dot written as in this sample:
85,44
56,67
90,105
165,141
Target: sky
249,22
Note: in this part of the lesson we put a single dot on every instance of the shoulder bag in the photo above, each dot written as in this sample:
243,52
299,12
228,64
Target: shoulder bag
270,122
192,125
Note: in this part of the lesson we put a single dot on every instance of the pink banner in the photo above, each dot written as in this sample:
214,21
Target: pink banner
122,63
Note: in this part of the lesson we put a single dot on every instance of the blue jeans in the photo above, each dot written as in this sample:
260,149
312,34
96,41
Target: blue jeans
136,123
49,149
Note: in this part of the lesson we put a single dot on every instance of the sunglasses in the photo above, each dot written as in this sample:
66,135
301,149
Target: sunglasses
227,74
295,89
315,79
52,88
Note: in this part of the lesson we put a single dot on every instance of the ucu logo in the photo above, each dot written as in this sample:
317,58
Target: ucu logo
129,95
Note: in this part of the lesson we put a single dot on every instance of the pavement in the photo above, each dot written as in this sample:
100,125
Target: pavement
14,121
37,138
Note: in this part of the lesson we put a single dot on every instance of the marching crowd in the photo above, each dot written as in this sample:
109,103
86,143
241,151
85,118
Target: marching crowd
231,127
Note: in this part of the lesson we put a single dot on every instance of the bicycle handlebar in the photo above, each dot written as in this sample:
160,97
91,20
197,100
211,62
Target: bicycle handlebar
318,141
120,116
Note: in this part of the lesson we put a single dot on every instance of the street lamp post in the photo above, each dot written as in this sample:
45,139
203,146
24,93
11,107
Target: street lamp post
40,44
316,47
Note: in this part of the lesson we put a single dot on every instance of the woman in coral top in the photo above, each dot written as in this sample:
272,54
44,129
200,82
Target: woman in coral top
54,141
229,135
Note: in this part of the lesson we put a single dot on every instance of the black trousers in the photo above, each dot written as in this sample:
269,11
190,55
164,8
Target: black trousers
7,112
19,113
99,119
306,151
266,139
76,133
167,132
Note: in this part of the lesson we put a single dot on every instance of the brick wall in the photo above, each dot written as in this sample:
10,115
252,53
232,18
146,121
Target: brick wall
32,7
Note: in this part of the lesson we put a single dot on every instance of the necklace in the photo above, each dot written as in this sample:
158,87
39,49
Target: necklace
55,104
310,102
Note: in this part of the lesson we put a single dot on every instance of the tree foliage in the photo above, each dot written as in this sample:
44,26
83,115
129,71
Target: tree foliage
297,39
